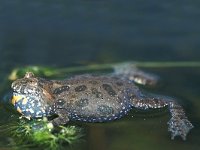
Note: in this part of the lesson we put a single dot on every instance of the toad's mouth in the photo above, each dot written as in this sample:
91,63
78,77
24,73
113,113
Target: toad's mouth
17,97
21,94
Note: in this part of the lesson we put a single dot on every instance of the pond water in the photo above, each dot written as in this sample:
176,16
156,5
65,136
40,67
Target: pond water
65,34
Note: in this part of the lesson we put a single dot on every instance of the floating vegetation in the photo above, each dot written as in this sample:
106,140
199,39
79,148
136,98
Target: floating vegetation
40,134
51,71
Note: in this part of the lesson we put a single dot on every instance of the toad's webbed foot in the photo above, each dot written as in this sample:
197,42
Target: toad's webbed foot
131,72
178,125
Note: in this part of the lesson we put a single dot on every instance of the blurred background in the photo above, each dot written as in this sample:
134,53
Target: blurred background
65,33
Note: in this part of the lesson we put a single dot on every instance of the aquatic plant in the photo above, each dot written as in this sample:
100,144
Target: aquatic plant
52,71
40,134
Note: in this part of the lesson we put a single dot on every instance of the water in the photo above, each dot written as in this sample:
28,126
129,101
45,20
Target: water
64,34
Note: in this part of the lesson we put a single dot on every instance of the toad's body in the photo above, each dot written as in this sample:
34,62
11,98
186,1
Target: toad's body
92,99
95,98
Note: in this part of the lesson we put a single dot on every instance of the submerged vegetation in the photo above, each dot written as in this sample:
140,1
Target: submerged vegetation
26,134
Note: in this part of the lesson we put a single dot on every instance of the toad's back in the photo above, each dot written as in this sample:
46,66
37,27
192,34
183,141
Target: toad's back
94,98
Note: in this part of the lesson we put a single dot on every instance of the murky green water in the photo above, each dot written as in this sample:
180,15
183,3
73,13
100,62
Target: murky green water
65,34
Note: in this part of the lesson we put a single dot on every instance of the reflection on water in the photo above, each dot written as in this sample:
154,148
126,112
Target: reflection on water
65,33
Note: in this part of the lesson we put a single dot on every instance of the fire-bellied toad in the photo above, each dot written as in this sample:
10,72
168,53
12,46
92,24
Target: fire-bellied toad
93,98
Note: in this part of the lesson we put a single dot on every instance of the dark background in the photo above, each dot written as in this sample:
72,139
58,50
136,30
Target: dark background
66,33
63,32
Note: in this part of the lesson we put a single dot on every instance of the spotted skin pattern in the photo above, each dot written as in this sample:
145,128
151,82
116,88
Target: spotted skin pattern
92,98
60,89
29,106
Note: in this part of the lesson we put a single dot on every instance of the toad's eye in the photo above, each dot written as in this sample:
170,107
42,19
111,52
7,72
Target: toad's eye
33,82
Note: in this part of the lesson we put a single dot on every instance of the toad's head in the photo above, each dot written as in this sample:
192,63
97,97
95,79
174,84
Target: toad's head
32,96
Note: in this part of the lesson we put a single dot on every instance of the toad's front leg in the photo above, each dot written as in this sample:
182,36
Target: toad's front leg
178,125
62,117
